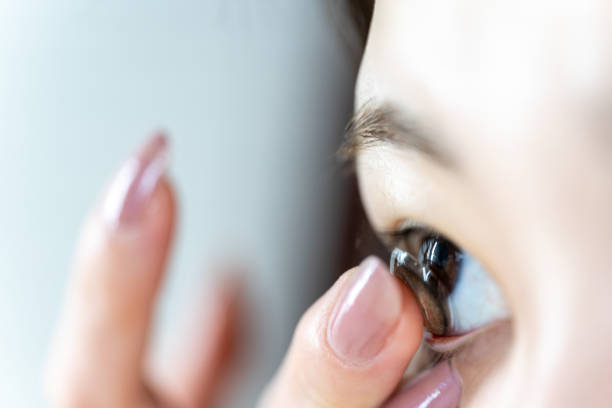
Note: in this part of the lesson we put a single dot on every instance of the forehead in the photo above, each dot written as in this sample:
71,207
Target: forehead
519,91
480,60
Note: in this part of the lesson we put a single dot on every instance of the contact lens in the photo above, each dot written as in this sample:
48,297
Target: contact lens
431,292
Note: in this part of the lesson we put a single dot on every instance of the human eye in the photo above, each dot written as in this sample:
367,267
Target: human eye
455,292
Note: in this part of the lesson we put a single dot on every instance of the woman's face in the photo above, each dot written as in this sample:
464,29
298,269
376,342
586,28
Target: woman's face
498,137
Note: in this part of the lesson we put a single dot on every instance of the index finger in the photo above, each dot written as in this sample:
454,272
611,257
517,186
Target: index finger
352,346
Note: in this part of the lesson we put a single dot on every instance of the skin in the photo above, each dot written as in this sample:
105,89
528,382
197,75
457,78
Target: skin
516,94
99,357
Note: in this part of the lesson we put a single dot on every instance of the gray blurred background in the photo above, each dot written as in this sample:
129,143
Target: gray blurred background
254,95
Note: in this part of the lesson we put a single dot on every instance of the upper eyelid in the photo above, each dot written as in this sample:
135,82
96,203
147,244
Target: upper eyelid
390,237
408,225
405,226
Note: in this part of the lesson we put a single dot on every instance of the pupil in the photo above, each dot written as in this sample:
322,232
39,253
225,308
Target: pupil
436,252
441,256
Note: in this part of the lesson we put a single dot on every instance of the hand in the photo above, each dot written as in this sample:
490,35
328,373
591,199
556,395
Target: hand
99,356
350,348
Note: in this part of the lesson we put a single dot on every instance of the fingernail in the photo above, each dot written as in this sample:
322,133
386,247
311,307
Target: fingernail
135,182
439,387
365,313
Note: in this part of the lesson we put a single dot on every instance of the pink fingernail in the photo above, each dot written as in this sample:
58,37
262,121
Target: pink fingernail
365,313
135,182
439,387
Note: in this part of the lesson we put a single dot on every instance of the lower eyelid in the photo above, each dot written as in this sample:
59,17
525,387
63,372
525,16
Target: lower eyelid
481,356
472,354
452,344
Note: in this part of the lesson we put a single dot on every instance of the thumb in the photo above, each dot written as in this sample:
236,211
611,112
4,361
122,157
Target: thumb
353,345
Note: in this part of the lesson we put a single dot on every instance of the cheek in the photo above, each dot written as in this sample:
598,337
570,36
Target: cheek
482,362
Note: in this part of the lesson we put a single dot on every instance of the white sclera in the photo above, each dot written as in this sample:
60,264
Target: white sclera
476,299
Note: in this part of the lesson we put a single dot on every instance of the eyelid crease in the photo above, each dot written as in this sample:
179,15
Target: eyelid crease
405,228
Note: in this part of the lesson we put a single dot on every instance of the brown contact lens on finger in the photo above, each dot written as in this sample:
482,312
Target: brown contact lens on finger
431,292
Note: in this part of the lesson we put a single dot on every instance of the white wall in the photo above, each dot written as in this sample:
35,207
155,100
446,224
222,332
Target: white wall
254,94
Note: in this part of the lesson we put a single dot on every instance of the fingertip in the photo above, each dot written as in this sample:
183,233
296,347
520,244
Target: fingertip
365,314
130,191
407,337
352,347
411,325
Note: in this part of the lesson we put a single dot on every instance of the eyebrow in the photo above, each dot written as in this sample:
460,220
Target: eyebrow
384,124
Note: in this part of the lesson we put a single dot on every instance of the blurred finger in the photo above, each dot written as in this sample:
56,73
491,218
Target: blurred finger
97,355
190,372
439,387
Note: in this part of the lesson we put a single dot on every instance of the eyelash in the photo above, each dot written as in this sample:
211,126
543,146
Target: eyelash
391,238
